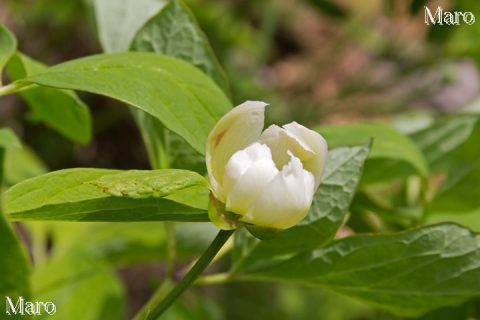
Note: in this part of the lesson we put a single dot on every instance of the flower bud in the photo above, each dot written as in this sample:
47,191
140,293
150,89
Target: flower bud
264,179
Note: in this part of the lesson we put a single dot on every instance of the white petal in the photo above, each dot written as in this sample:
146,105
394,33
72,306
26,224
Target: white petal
315,142
280,141
247,173
286,200
236,130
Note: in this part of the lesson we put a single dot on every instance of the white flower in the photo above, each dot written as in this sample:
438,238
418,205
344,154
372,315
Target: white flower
266,178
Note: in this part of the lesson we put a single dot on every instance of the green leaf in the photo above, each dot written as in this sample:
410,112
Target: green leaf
470,220
181,96
8,139
60,110
389,148
79,284
327,214
14,266
174,32
119,20
118,244
8,45
460,192
153,136
109,195
467,311
21,164
123,244
181,155
165,148
408,273
444,136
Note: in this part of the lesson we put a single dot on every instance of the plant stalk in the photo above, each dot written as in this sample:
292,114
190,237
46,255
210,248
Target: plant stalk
16,87
171,249
157,306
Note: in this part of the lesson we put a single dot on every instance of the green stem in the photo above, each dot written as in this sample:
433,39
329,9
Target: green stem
171,249
223,278
162,291
218,278
156,308
16,87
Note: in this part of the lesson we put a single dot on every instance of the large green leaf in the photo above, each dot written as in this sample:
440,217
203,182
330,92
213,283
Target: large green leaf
110,14
109,195
328,212
409,273
60,110
390,148
119,20
80,286
181,96
8,45
174,32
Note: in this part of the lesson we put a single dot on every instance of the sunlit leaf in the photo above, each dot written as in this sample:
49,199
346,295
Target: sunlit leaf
173,31
108,195
181,96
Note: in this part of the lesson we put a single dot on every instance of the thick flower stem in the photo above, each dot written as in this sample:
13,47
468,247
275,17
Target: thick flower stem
157,307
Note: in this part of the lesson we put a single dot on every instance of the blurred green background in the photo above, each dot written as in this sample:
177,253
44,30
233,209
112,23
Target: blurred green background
314,61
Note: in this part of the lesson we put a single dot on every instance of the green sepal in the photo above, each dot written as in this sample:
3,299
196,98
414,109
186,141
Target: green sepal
218,214
263,233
